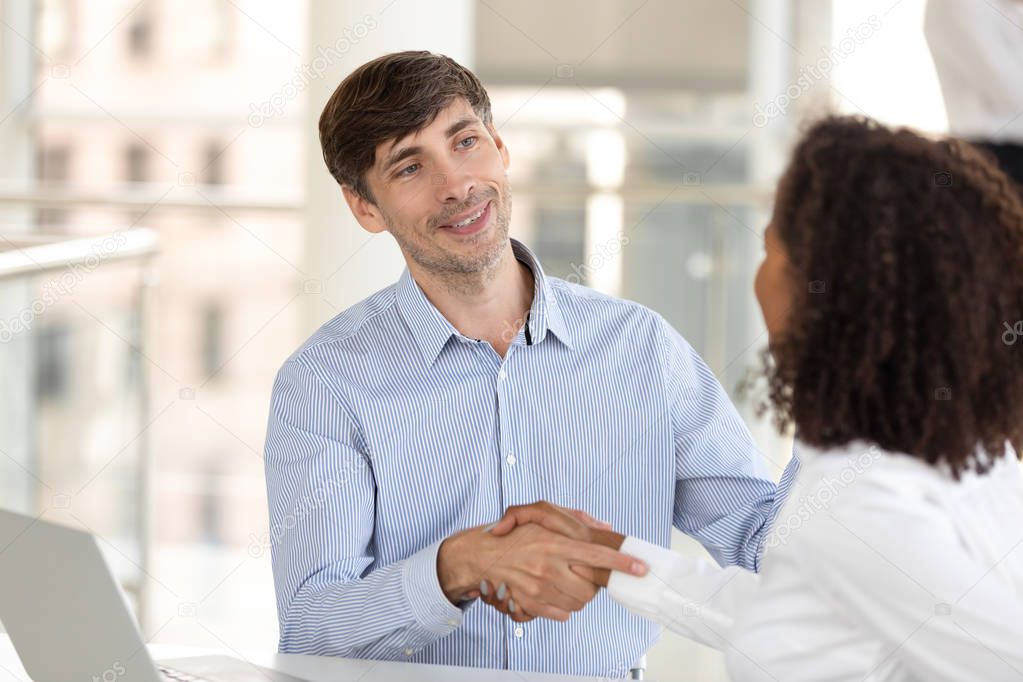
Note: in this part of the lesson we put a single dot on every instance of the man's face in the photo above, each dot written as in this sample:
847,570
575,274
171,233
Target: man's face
443,193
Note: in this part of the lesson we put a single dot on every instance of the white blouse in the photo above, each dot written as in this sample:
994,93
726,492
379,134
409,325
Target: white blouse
878,567
977,48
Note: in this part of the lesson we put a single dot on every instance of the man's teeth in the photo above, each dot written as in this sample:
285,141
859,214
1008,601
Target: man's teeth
470,219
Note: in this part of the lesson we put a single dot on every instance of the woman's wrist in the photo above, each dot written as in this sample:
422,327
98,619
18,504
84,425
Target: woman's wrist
608,538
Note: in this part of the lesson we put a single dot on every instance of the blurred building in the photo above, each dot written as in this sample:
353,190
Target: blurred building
151,381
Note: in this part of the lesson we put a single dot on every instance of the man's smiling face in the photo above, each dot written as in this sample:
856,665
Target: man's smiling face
443,193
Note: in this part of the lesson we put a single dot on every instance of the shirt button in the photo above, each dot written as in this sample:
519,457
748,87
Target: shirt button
502,375
511,459
519,632
409,652
452,622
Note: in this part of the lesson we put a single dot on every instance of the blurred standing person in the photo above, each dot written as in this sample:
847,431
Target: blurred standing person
977,47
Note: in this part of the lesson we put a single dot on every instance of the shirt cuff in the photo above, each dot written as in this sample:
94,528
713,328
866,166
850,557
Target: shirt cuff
430,607
643,595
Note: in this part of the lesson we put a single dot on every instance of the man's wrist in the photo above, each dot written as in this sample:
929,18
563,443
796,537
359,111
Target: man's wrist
453,570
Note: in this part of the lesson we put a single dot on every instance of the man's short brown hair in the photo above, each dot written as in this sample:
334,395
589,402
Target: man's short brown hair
389,98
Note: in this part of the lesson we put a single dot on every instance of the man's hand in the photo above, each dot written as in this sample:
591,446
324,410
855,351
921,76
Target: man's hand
551,573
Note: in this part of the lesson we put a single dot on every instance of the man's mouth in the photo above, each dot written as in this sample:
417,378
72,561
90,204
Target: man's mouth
469,222
471,219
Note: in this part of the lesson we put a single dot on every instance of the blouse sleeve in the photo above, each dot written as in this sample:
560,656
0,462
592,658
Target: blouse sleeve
692,597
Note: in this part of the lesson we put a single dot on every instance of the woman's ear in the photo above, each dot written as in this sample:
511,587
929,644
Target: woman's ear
364,210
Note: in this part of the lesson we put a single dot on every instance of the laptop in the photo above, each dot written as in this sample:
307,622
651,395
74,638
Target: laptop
68,619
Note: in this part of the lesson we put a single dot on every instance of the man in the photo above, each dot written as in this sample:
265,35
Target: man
473,384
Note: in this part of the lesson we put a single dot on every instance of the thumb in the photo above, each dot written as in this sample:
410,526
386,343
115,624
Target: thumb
503,527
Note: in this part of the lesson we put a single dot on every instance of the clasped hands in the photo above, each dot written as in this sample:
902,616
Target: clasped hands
539,560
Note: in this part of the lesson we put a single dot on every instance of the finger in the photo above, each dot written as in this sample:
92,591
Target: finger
499,597
590,521
520,615
503,527
598,556
551,613
500,606
545,515
517,613
580,589
491,599
597,576
533,593
560,588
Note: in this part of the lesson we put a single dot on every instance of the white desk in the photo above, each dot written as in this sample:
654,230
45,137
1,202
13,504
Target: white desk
321,668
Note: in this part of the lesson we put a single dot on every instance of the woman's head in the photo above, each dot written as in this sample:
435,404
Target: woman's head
893,265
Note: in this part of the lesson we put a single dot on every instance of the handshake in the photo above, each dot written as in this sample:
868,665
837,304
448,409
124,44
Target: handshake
539,560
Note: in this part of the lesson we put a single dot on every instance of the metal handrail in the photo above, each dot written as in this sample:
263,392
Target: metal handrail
32,255
29,255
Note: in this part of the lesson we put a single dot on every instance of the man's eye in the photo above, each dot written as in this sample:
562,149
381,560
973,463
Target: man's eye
471,140
408,170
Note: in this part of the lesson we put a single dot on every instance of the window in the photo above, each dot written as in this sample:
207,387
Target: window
56,26
210,508
53,164
212,339
140,33
212,172
136,160
53,361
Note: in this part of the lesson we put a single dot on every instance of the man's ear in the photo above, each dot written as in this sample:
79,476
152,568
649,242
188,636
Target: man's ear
501,146
364,210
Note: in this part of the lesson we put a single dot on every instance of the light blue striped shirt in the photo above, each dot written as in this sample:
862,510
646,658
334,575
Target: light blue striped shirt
390,431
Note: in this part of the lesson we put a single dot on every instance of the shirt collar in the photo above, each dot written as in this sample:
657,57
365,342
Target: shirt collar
432,331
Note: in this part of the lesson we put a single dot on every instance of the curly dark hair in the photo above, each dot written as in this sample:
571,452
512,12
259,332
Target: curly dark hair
906,255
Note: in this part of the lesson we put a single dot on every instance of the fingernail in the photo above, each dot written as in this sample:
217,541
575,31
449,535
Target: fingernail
490,527
484,588
638,568
502,590
511,606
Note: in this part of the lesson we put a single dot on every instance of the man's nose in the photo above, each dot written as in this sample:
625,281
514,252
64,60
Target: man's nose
453,185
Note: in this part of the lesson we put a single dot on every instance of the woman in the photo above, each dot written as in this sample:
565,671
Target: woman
893,266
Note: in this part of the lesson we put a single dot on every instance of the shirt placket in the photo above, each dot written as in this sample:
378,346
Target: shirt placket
516,481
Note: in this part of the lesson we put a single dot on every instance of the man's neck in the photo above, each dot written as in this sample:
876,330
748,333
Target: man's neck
489,305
